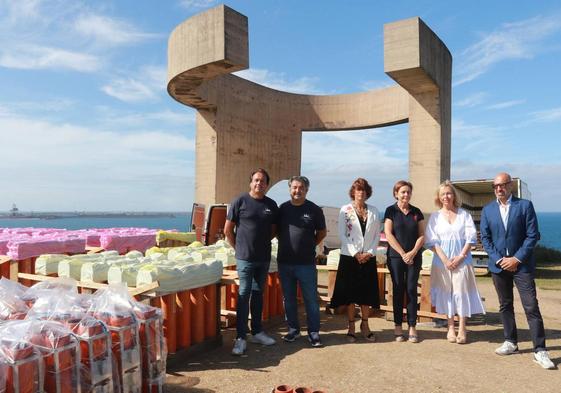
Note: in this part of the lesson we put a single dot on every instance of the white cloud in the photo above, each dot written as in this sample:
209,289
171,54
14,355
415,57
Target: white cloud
519,40
60,34
146,85
279,81
129,90
189,4
4,110
463,129
184,117
506,104
366,154
548,115
72,140
472,100
111,31
16,11
66,167
150,141
174,117
40,57
48,106
376,84
476,140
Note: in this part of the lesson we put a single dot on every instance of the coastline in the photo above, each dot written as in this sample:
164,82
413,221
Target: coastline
549,222
56,215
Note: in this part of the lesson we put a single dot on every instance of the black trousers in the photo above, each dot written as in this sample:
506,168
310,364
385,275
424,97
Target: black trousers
504,282
404,278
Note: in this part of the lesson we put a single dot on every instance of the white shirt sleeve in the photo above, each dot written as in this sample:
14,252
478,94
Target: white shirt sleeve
431,234
469,228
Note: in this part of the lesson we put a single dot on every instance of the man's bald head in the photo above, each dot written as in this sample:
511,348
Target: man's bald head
502,177
502,186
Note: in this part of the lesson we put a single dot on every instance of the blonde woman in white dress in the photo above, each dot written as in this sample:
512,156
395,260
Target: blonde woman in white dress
449,234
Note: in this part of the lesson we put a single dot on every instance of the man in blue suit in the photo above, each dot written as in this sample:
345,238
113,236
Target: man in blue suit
509,232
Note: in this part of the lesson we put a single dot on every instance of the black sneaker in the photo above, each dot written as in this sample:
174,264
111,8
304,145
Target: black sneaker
313,337
292,335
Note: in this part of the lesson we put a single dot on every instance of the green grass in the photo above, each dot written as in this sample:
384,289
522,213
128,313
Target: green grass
548,269
547,277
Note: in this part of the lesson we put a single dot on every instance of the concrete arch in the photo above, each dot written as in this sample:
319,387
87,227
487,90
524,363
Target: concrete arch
242,125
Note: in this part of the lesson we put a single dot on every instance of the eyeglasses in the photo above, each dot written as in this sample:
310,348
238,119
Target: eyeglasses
501,185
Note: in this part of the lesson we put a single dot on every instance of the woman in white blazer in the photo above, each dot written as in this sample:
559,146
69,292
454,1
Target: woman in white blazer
357,279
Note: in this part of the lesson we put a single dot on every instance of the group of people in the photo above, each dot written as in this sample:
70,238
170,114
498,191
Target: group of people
509,233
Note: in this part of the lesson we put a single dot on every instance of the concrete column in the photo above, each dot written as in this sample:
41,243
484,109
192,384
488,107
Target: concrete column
420,62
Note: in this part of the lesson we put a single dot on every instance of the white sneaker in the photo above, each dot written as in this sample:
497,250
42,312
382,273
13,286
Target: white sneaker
239,347
507,348
542,358
262,338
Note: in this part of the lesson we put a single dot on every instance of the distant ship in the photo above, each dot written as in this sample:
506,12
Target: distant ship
14,211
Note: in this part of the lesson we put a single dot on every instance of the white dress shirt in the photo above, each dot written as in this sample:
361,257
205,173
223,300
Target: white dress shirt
503,209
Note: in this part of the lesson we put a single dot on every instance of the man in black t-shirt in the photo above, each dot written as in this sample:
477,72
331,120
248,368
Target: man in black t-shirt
254,217
301,227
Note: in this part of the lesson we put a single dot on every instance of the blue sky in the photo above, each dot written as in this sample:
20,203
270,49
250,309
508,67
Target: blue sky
86,123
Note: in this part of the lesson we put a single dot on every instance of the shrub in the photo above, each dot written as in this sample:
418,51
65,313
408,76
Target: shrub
547,256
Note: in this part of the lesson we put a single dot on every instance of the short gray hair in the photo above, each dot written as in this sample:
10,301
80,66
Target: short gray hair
302,179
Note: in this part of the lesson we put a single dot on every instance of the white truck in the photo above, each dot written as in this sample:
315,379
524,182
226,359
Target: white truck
477,193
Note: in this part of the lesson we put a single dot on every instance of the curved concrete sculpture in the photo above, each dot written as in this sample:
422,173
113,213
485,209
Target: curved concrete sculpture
242,125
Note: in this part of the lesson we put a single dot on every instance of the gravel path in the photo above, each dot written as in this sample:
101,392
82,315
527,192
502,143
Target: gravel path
433,365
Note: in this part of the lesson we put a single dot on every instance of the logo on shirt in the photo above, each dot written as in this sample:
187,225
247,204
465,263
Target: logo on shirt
267,211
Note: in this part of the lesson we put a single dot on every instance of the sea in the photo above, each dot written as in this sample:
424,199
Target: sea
549,224
179,222
550,230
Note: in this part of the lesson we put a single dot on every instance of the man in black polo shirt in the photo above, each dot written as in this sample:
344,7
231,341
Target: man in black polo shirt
301,226
254,217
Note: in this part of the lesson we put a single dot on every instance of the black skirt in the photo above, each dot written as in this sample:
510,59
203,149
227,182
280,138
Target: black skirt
356,283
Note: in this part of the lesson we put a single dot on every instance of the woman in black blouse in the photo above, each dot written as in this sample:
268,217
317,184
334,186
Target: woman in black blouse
404,229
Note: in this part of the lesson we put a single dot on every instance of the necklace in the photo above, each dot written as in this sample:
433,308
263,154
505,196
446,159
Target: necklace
361,211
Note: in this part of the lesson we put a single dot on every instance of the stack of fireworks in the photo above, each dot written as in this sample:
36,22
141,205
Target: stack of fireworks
175,270
153,347
68,342
23,243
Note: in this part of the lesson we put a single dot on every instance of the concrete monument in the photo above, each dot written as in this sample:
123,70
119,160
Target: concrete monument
242,125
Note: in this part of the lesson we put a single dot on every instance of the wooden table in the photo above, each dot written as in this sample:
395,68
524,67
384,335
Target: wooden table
425,313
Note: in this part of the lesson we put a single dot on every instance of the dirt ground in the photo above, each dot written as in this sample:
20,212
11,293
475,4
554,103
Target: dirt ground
433,365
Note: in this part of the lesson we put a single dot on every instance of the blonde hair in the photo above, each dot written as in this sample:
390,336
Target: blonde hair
444,184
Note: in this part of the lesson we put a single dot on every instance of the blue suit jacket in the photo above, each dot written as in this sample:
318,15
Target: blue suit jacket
519,238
